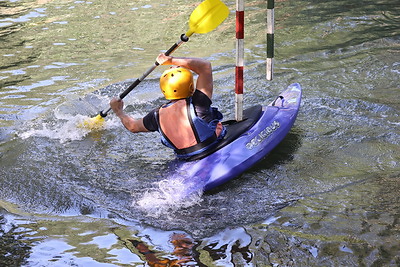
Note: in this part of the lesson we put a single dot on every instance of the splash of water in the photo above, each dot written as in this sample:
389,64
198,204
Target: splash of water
65,124
64,131
169,195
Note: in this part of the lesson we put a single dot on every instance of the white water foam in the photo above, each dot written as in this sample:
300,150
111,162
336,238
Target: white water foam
65,131
66,120
66,123
169,195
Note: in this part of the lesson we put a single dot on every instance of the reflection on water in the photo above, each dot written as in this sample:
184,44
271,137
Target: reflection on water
327,195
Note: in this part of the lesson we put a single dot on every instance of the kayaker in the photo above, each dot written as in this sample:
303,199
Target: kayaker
187,123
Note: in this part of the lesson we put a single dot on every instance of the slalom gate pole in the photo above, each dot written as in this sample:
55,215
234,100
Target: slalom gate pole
239,60
270,39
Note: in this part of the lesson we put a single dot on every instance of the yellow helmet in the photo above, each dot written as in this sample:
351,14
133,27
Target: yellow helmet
177,83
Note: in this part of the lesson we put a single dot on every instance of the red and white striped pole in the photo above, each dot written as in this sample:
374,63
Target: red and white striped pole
239,60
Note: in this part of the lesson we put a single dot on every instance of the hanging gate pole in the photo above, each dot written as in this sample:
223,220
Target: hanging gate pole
270,39
239,60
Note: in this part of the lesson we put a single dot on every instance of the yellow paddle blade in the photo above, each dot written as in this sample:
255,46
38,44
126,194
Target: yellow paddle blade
207,16
96,123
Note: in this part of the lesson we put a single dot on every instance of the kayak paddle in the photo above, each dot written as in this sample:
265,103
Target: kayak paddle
205,18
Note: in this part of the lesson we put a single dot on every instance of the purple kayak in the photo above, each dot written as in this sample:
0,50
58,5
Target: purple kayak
246,143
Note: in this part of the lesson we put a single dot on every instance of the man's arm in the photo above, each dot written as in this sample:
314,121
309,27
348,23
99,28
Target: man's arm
133,125
200,66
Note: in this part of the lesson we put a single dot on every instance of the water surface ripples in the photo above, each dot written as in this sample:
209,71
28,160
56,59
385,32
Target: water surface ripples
327,195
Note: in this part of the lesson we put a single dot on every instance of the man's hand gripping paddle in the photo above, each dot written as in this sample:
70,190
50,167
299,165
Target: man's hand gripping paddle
205,18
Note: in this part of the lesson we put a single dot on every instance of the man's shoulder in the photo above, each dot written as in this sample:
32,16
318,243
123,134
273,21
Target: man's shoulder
200,98
150,120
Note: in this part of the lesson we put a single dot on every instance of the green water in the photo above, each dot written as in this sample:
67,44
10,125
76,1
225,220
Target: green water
328,195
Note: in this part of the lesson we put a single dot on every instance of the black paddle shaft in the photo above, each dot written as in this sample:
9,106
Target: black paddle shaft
182,40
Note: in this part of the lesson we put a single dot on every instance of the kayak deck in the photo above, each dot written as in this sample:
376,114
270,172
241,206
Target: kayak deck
233,130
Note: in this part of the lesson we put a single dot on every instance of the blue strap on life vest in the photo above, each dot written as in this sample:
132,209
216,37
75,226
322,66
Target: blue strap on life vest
204,132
